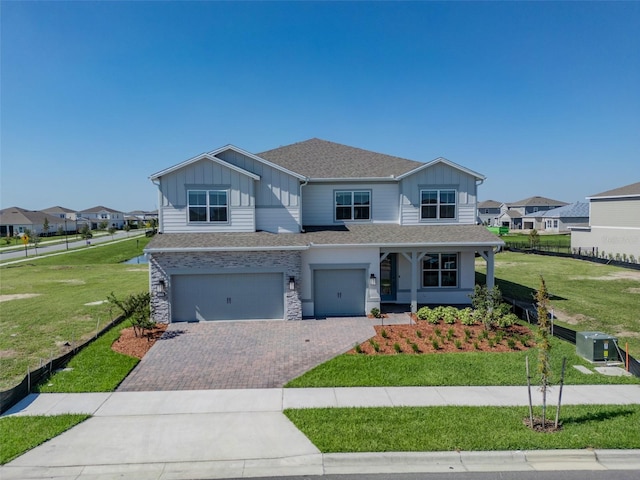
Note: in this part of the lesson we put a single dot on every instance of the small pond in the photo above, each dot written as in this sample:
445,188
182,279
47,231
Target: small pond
137,260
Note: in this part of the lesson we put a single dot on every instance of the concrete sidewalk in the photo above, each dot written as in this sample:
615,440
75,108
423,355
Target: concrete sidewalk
243,433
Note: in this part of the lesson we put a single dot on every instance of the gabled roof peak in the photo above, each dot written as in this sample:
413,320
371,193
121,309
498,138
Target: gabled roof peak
536,201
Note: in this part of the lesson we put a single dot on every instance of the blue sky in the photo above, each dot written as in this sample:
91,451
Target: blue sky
543,98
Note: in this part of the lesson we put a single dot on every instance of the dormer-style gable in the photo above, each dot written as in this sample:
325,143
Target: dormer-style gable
228,189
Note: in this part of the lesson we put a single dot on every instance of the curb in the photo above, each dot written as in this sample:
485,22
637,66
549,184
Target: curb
489,461
348,463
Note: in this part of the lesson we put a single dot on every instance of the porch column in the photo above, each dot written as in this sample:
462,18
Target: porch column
415,258
488,256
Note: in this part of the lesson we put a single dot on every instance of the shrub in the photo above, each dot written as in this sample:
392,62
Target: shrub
435,344
384,334
467,334
415,348
374,344
423,313
438,332
137,308
476,345
507,320
450,333
512,343
357,348
524,340
418,334
450,315
466,316
375,313
397,348
458,344
491,342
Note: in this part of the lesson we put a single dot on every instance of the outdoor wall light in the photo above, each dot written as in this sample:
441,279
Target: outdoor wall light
161,288
372,280
292,283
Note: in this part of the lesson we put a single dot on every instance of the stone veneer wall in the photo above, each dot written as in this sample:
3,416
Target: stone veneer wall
161,264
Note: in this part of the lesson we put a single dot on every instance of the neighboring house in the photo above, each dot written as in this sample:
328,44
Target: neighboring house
513,214
560,219
16,221
140,218
97,215
488,213
61,212
614,224
312,229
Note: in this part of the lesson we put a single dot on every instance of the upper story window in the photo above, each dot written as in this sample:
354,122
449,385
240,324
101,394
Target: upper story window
208,205
354,205
437,204
440,270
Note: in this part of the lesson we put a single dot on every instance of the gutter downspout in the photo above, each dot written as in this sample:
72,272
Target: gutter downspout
304,184
160,222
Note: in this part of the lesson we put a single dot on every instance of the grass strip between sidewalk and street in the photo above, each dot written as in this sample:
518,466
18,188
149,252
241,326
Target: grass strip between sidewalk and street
448,369
20,434
416,429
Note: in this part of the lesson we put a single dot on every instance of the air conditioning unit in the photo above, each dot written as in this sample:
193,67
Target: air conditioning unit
596,346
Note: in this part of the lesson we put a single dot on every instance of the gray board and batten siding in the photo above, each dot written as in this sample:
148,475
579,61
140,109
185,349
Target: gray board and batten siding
271,203
438,176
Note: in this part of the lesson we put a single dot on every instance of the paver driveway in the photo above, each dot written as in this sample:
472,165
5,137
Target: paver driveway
244,354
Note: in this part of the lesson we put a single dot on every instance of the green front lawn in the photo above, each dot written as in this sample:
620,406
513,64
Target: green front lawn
20,434
438,369
413,429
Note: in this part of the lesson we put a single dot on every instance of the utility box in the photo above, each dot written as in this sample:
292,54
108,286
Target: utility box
596,346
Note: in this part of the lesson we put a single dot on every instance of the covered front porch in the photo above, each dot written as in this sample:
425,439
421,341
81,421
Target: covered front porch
428,275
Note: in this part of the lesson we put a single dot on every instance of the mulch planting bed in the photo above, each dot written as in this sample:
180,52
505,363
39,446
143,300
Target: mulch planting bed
424,337
129,344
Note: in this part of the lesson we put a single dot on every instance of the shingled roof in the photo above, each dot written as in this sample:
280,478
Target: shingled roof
632,190
379,235
21,216
319,159
489,204
537,202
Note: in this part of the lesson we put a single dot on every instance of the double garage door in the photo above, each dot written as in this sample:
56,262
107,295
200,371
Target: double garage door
238,296
339,292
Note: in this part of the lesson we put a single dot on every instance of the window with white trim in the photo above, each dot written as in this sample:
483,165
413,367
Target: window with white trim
440,270
353,205
437,204
208,206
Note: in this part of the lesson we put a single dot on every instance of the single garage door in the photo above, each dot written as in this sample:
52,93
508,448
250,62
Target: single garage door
339,292
238,296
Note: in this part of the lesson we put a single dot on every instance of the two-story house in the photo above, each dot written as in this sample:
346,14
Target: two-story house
614,224
312,229
488,213
101,215
513,214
